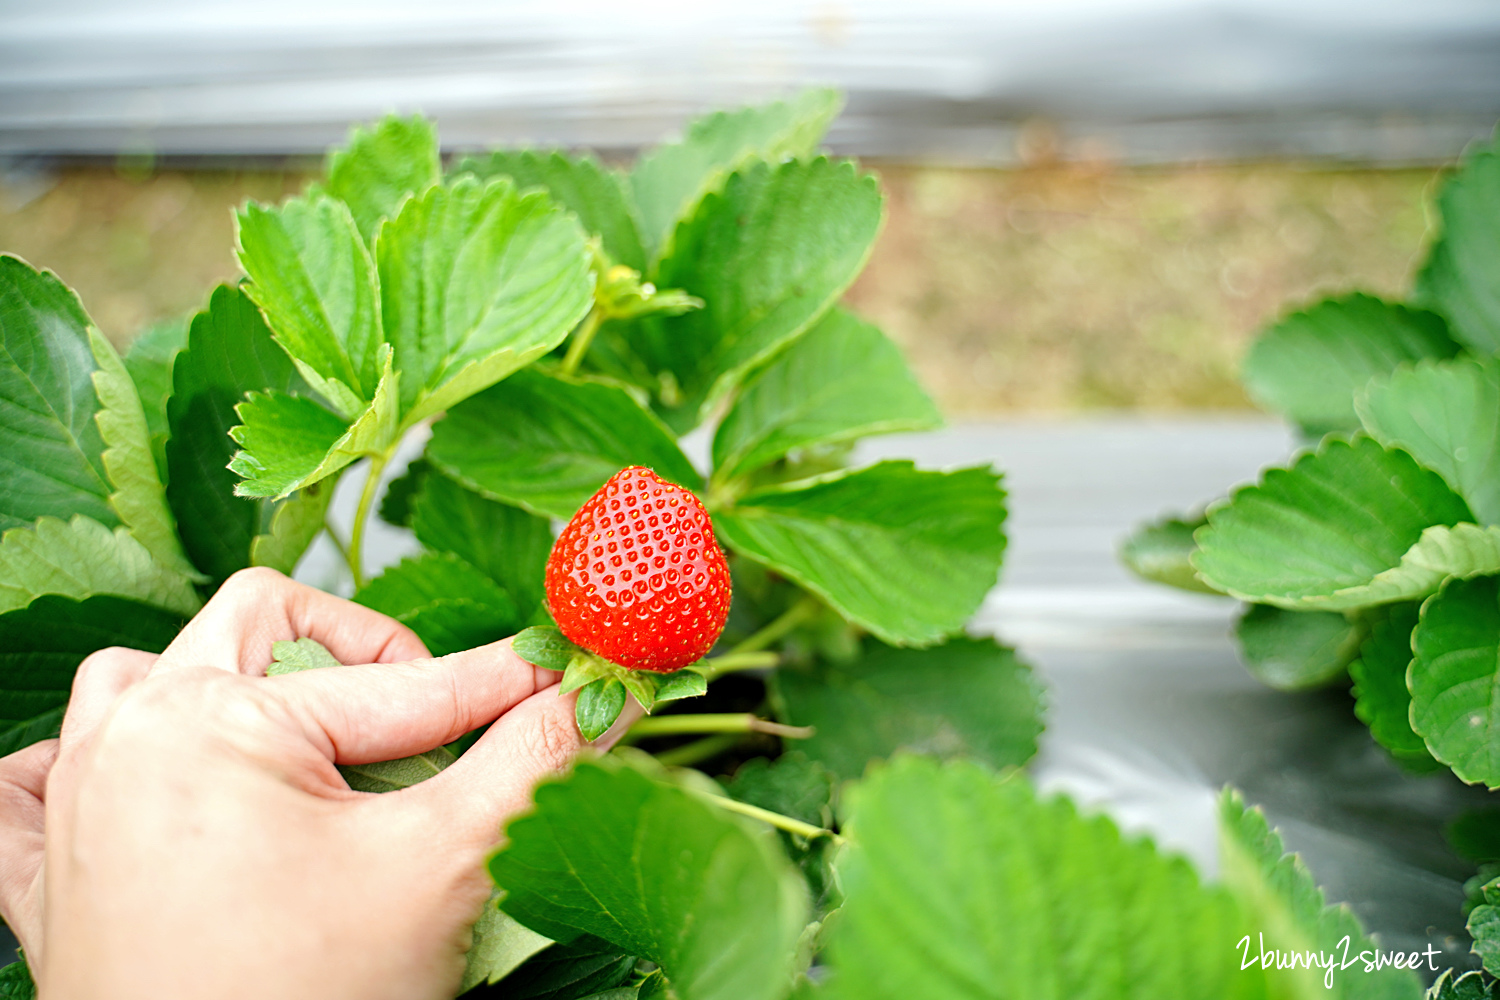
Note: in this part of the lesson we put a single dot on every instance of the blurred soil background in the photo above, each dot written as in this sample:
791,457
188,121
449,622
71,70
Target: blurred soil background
1052,288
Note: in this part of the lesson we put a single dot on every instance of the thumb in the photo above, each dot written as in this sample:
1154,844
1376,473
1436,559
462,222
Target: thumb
495,778
23,790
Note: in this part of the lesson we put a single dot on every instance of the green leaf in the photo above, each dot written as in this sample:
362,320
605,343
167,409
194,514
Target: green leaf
1462,551
546,647
380,166
452,625
908,555
961,885
1454,678
290,442
1381,699
42,644
579,184
965,698
640,683
500,946
549,443
842,380
476,282
1461,278
395,505
1309,365
52,463
1296,650
793,785
449,604
1484,927
1447,416
283,440
506,543
295,522
580,968
679,684
393,775
768,257
1338,530
149,361
16,982
1475,835
1161,551
291,656
138,498
229,352
669,181
599,705
313,277
1468,986
659,873
1283,902
81,558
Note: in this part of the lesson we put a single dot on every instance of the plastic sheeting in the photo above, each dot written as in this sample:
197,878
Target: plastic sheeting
1151,713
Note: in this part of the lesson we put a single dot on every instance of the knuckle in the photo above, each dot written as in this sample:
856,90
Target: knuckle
101,662
254,581
551,741
101,659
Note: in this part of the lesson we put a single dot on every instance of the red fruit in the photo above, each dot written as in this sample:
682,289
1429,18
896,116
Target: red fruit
637,576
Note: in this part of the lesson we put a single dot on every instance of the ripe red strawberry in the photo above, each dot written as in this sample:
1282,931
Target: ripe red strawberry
637,576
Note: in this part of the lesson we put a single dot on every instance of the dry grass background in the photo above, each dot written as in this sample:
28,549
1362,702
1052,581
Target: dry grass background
1049,289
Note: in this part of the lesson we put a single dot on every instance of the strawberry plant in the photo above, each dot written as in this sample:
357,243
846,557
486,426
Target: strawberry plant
572,334
1374,556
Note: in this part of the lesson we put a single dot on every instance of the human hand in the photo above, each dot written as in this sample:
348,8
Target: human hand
198,840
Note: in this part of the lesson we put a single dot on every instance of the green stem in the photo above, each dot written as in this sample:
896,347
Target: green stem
698,751
582,338
362,515
777,820
717,666
735,722
338,543
778,627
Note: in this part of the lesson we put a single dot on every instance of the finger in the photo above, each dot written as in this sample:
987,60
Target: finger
23,783
382,711
495,779
257,607
25,773
537,738
101,678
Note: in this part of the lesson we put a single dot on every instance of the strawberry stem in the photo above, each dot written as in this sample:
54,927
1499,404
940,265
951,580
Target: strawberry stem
731,722
777,820
699,750
338,543
776,628
717,666
362,515
582,338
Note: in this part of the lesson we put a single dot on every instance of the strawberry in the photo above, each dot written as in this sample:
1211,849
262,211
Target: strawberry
637,577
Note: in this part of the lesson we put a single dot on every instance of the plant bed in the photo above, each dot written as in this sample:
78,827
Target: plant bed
1369,562
828,804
